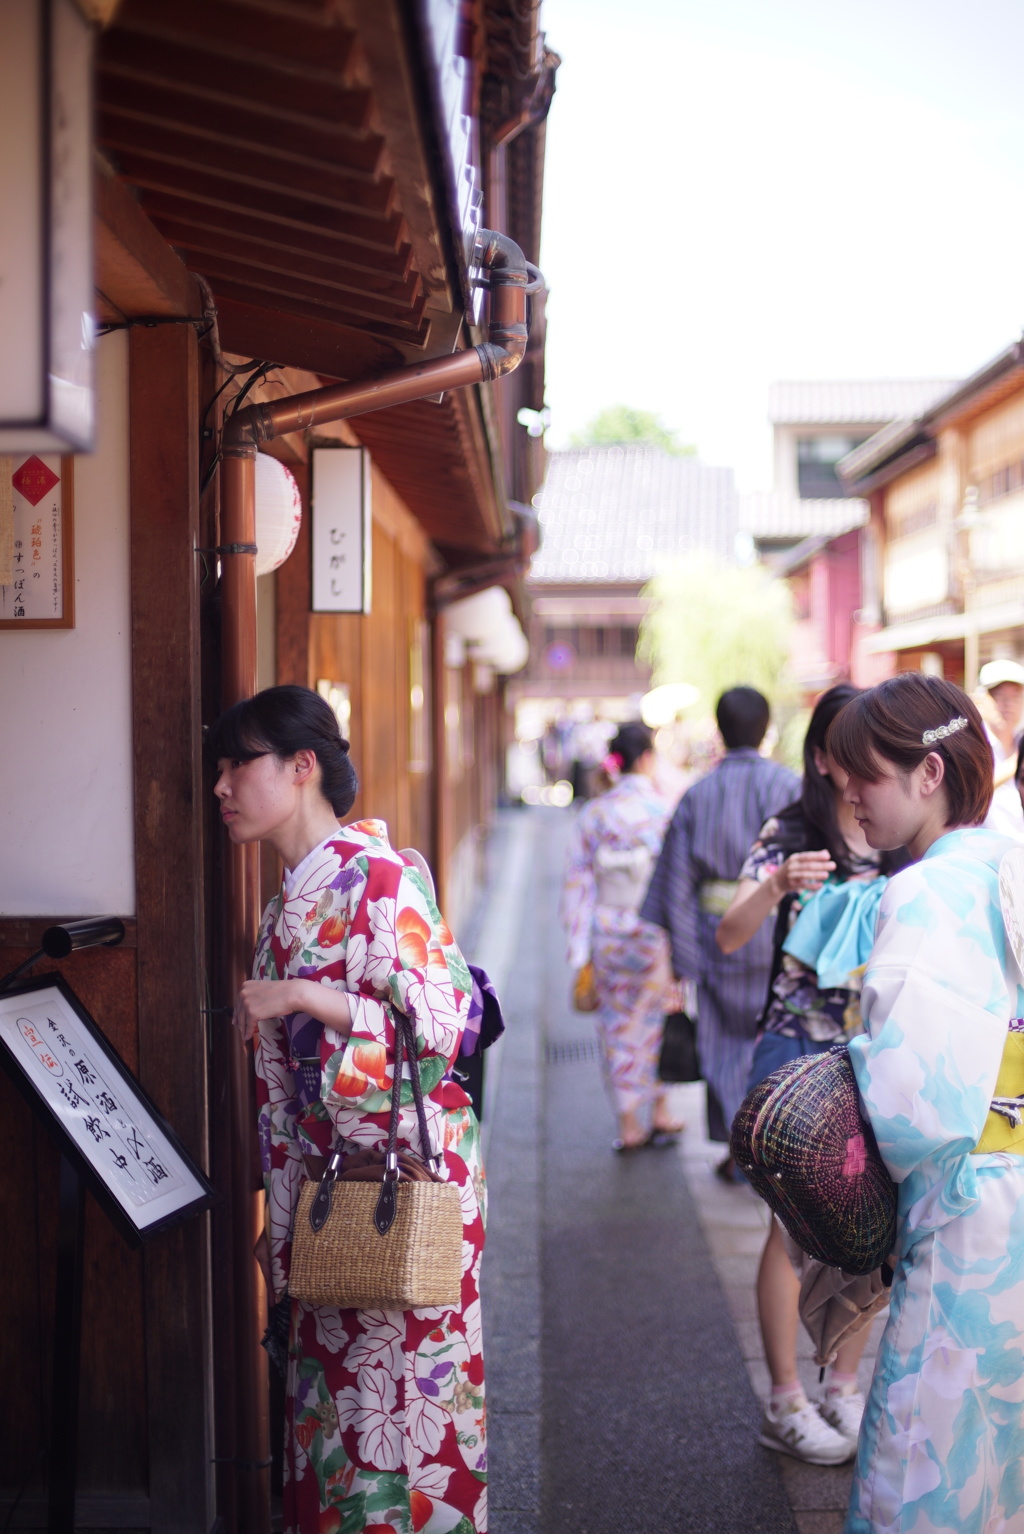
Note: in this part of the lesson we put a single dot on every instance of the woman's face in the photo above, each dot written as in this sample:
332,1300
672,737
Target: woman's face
255,796
893,811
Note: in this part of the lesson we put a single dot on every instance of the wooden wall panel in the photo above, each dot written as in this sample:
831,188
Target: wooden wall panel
370,655
113,1418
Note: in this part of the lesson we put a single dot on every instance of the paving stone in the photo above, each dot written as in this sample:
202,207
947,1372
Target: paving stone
815,1487
820,1523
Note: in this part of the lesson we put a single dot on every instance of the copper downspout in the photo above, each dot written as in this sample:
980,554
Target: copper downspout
508,277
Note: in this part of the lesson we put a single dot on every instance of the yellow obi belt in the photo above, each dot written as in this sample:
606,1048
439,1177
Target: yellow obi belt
1004,1127
714,896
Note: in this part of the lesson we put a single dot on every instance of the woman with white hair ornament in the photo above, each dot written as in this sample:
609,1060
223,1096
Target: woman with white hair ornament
940,1071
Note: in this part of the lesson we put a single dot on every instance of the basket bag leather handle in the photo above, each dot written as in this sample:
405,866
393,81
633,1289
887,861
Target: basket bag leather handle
387,1203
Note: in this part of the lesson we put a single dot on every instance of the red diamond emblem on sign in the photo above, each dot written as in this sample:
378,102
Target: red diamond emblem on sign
34,480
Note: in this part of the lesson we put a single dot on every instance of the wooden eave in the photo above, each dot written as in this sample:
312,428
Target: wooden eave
282,149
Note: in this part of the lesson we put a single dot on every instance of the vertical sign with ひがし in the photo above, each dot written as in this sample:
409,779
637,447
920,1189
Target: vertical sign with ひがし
37,575
342,530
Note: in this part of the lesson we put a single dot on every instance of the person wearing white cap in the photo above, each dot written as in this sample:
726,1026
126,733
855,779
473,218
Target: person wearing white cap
1003,680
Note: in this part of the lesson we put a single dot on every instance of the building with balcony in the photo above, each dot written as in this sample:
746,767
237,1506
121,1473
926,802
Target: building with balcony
946,495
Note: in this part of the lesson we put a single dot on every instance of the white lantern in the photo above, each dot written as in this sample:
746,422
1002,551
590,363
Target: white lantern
278,513
47,402
487,625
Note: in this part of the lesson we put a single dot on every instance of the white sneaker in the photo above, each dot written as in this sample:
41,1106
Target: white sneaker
843,1412
801,1432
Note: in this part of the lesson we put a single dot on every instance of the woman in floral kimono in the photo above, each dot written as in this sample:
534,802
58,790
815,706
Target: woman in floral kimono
941,1075
384,1409
613,850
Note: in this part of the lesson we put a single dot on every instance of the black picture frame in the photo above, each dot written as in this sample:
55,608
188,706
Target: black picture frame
56,1119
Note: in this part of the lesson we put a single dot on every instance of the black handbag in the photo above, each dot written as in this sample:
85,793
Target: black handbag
678,1059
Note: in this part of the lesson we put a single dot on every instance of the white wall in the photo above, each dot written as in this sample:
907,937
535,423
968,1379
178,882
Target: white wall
66,815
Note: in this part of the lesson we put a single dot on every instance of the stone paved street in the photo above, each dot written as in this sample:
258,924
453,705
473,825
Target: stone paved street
624,1358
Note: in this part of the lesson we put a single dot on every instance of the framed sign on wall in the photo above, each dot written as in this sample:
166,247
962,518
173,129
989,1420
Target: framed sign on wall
105,1125
37,543
342,531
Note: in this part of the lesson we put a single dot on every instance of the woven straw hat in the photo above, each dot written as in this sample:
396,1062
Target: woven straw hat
801,1140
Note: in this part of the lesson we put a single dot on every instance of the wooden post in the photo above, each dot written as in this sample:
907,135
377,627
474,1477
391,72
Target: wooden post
169,891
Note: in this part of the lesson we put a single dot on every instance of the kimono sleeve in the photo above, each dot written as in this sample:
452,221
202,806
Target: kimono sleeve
579,893
936,1009
399,955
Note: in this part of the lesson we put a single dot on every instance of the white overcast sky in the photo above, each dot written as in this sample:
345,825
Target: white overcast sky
744,190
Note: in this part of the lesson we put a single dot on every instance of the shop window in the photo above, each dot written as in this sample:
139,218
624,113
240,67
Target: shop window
816,459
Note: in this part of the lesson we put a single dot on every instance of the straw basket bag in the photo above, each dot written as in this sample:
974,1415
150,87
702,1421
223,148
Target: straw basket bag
804,1145
386,1232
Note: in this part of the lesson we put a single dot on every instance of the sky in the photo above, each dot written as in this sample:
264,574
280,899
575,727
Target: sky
740,191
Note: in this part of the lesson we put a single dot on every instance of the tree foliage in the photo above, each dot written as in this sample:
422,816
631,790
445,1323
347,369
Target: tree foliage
717,626
621,424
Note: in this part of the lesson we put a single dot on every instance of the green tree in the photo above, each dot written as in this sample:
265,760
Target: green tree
717,626
622,424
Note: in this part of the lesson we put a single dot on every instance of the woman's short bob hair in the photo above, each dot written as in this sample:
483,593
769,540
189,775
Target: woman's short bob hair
888,724
282,721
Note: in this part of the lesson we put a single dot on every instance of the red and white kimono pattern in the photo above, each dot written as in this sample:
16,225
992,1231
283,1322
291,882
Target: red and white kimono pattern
385,1427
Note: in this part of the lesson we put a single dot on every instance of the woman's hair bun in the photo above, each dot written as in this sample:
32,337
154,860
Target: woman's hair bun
285,720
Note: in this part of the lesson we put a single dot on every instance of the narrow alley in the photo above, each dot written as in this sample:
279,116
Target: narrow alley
624,1357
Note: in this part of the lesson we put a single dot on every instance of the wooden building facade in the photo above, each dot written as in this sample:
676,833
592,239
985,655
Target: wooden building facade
946,490
289,188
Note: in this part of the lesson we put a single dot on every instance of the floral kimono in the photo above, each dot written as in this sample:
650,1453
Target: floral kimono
942,1443
385,1409
616,841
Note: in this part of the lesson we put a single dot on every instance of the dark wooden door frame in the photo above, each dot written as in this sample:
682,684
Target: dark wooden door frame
164,481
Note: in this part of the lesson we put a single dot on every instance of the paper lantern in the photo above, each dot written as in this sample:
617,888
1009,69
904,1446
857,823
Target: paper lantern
490,630
278,513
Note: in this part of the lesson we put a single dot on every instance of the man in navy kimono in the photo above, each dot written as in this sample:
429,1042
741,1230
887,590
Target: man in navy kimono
693,883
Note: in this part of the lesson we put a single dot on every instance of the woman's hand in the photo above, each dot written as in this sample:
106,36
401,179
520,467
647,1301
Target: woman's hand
755,900
802,871
259,1000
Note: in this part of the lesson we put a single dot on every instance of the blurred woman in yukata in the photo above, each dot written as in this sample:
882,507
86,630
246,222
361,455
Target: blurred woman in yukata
614,847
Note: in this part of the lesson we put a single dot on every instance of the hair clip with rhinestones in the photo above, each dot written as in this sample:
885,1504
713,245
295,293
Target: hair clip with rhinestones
931,736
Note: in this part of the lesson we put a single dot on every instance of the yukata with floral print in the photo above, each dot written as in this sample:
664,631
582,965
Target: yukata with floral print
798,1006
385,1425
942,1443
614,847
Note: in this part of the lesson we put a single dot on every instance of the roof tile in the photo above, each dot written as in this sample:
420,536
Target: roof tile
614,513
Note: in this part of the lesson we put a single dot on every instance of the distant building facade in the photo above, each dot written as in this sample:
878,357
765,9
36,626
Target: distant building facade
946,497
813,531
611,518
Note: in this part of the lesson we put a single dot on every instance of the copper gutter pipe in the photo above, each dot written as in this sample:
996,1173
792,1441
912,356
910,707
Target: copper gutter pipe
509,277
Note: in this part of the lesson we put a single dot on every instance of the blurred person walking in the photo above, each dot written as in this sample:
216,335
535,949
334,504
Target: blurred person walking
614,845
812,865
693,885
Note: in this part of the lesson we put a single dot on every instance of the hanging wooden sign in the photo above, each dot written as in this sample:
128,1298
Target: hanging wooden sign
37,565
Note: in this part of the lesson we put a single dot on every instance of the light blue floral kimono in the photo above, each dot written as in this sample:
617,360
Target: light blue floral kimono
942,1444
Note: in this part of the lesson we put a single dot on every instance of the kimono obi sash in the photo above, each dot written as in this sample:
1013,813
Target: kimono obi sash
835,931
1004,1127
714,896
622,877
